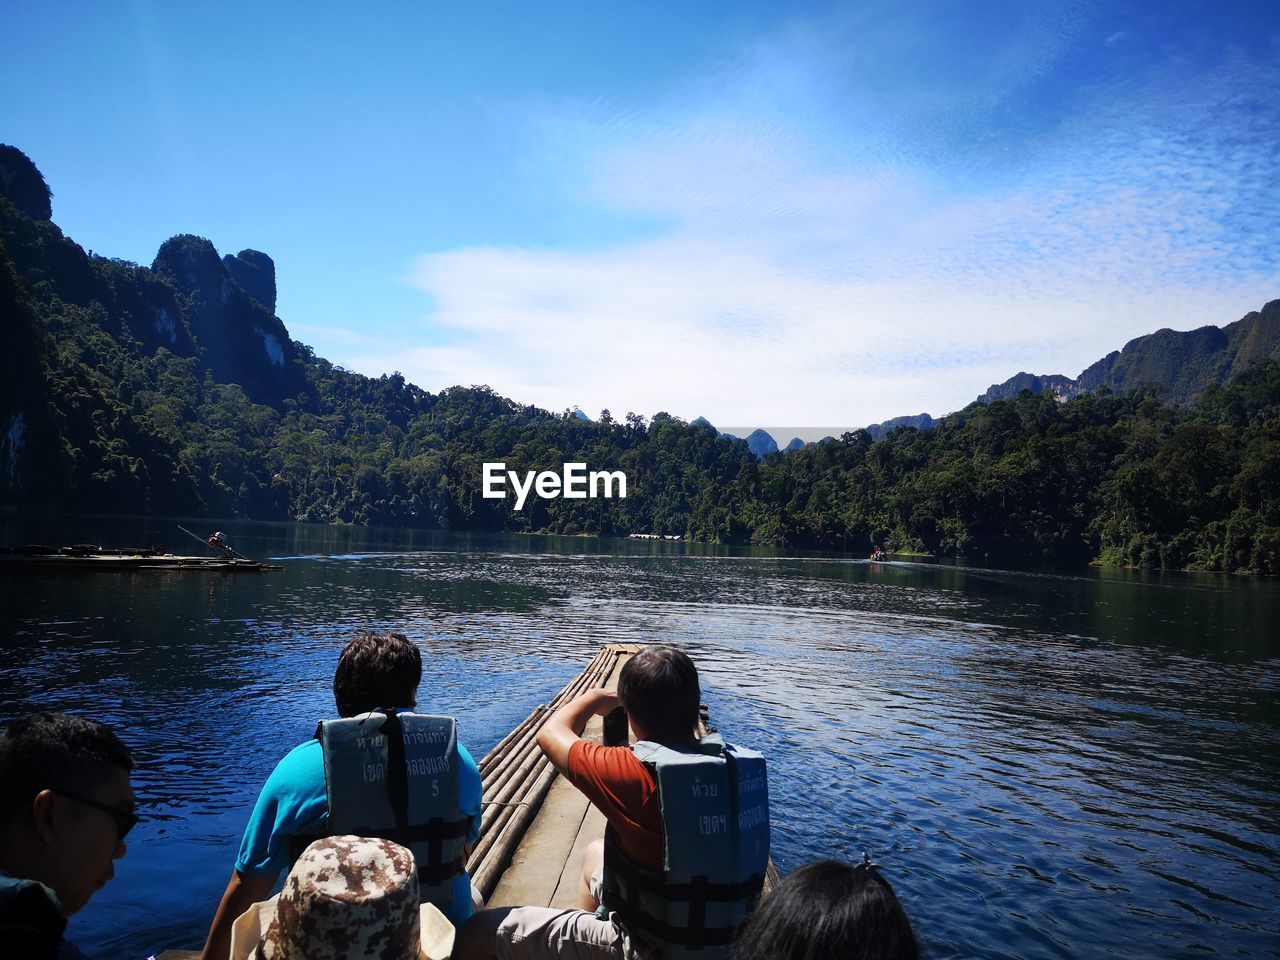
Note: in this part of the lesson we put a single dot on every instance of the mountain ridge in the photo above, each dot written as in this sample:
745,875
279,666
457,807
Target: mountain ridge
1180,363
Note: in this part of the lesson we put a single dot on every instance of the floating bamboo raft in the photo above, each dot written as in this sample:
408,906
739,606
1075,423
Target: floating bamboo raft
87,557
535,825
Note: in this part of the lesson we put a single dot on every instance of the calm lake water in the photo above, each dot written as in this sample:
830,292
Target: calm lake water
1045,764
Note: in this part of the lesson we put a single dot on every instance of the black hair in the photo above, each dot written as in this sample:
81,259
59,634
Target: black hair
56,751
829,911
376,670
658,688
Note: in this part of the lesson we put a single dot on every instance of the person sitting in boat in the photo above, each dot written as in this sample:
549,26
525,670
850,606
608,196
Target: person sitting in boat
219,542
829,909
346,898
379,770
65,807
687,843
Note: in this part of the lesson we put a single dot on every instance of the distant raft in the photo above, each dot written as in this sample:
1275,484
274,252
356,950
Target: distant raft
83,556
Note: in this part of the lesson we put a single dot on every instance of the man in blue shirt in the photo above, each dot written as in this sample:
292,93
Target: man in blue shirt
376,681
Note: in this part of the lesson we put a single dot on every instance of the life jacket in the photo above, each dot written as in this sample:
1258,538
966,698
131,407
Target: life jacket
395,776
714,800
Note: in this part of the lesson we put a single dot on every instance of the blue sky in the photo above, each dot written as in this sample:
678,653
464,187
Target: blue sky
763,213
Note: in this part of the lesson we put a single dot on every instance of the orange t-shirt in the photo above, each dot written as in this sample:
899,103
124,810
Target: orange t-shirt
623,789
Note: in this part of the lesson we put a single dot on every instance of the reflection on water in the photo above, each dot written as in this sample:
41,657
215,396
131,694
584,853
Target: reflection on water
1045,764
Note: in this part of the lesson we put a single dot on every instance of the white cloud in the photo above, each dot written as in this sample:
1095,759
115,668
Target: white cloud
818,266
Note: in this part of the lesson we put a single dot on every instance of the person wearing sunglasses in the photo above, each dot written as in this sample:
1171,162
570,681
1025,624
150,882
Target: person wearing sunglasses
66,806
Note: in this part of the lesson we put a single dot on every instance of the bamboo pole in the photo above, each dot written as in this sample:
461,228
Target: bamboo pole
517,776
497,760
506,778
500,748
487,875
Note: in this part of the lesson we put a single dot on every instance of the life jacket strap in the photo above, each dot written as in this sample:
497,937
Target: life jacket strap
433,833
697,893
691,937
397,769
698,889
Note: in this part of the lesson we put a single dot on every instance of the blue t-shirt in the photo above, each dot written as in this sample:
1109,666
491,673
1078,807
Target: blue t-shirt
294,802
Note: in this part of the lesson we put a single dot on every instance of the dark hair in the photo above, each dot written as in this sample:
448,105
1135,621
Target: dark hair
376,670
828,910
658,688
56,751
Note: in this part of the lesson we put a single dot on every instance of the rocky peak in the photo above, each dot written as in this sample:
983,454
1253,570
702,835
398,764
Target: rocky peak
232,318
192,264
761,443
1055,383
256,274
23,185
919,421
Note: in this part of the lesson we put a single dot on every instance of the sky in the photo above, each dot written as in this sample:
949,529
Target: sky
817,215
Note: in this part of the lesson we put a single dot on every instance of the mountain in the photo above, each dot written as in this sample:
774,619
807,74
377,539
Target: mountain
795,444
761,443
240,338
1180,363
189,302
23,185
1053,383
921,421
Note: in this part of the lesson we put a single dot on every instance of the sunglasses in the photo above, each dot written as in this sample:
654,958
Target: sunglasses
125,820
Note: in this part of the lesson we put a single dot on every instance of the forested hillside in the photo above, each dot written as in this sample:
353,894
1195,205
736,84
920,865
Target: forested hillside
174,389
1123,477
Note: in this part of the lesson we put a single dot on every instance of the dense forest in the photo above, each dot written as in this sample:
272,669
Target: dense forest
175,390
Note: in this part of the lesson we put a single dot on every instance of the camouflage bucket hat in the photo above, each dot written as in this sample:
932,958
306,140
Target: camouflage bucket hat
347,898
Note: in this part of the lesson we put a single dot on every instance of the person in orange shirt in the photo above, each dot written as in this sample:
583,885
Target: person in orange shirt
659,690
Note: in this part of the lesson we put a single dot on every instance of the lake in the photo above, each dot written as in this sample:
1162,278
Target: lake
1045,764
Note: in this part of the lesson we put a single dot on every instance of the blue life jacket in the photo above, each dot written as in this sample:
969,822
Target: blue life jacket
395,776
714,800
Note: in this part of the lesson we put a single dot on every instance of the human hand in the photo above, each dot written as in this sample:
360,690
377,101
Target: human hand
604,701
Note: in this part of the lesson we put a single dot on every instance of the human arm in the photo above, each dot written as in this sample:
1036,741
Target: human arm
564,727
241,893
470,796
292,804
